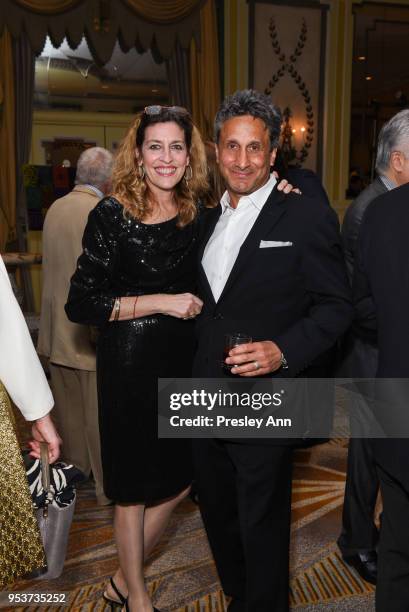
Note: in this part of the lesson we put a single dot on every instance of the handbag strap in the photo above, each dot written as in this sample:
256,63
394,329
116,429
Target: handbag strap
45,474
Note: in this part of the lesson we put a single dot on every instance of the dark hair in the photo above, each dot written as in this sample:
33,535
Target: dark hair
253,103
183,120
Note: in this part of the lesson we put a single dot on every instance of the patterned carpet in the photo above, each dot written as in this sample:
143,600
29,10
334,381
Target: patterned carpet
180,573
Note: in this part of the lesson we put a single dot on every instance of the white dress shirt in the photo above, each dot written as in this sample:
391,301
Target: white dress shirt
230,232
20,369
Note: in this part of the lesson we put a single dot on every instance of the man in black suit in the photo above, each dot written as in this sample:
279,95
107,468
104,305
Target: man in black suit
359,538
271,266
381,293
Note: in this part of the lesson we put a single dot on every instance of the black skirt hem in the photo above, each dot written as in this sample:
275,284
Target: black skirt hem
152,497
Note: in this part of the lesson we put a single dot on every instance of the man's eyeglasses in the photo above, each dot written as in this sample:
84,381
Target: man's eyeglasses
156,109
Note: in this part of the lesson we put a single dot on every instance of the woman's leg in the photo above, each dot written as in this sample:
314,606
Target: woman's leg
128,529
156,519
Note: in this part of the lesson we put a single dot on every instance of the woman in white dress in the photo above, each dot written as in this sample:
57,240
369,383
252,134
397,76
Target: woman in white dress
21,377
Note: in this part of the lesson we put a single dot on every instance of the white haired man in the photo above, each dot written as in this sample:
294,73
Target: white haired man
67,345
359,538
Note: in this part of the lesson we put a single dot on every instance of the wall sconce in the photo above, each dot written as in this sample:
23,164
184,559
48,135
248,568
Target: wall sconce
296,139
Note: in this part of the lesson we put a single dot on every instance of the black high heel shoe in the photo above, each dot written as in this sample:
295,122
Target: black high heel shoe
114,602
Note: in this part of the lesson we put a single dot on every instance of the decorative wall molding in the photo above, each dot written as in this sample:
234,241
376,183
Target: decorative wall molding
288,66
51,117
287,61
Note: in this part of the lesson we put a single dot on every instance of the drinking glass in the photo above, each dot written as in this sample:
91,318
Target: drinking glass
230,341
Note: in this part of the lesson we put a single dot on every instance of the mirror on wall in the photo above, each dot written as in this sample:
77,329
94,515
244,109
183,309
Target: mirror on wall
380,83
69,79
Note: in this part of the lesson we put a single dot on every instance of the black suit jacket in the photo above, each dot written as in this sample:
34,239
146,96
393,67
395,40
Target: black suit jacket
381,296
359,353
353,219
381,281
308,183
298,295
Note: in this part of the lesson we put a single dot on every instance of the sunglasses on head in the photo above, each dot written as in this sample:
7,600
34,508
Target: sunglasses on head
156,109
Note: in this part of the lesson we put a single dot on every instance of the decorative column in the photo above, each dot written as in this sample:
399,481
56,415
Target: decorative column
337,105
236,45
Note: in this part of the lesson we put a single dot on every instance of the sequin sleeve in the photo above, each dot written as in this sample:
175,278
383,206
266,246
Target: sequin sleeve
92,295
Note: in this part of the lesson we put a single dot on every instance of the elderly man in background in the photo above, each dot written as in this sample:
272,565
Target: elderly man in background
381,296
69,346
359,538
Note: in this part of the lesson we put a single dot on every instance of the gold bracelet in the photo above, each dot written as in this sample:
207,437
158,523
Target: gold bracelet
117,308
134,306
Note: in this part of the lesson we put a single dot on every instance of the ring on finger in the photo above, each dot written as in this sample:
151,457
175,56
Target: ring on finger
256,365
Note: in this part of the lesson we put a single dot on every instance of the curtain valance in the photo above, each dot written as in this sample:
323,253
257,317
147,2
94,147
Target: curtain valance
160,11
48,7
142,23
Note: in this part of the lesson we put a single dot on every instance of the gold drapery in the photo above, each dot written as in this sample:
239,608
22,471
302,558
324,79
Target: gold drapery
161,11
205,72
7,143
48,7
150,22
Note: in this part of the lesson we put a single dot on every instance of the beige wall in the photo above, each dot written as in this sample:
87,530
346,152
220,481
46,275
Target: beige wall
105,129
102,128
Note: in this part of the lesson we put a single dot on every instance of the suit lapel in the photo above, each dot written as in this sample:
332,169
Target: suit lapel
271,212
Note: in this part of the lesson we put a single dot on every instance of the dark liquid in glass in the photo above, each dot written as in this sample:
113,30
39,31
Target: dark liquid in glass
227,366
232,340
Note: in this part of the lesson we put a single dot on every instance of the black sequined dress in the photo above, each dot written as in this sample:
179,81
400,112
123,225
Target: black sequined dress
123,257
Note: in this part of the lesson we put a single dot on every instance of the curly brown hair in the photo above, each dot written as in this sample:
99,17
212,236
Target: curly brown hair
133,192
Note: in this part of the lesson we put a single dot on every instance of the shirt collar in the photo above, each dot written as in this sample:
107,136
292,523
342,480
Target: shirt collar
258,198
97,191
387,182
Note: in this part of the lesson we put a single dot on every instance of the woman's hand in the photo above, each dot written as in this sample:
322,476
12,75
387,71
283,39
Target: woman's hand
181,305
284,185
43,430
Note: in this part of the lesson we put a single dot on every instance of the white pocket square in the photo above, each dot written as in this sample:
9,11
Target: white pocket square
266,244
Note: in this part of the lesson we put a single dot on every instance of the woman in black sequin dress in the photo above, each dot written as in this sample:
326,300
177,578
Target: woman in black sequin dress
135,280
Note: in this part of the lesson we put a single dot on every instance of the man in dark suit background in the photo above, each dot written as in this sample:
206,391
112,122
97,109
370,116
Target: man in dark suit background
381,292
271,266
359,537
